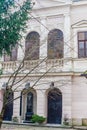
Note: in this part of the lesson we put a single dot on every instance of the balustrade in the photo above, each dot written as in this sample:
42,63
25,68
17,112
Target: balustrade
55,62
28,65
12,65
68,64
8,65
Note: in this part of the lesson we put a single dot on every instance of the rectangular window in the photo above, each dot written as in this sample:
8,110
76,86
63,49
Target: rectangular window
6,57
86,48
12,56
82,44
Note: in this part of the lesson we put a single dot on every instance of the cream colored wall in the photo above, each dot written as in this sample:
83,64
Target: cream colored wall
79,100
61,82
78,12
79,97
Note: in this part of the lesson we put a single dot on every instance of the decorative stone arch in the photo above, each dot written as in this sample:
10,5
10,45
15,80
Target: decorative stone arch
54,106
32,43
25,111
55,44
31,30
58,28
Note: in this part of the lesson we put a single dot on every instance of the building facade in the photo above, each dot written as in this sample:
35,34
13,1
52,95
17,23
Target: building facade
55,51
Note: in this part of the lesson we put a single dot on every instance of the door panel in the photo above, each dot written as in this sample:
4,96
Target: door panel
9,108
29,111
54,107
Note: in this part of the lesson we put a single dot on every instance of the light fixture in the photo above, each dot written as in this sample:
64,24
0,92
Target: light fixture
52,85
4,86
27,85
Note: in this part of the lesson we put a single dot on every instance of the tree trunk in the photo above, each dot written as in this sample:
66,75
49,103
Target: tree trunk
1,119
1,116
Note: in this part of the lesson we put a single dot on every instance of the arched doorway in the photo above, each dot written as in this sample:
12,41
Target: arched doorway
9,107
28,103
54,106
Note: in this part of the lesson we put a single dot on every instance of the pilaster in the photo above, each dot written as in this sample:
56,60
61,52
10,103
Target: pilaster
16,106
67,32
43,38
41,102
21,49
1,99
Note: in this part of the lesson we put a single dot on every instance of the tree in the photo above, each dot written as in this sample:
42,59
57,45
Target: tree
13,81
12,22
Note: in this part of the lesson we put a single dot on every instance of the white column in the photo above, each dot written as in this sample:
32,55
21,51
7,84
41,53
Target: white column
21,49
1,99
75,43
43,44
41,102
67,32
16,106
67,102
43,39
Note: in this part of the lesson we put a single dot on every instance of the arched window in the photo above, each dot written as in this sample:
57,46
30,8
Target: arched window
55,44
13,55
29,108
32,46
28,104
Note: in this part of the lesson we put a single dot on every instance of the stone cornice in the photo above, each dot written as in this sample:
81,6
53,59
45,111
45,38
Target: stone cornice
79,3
71,73
52,7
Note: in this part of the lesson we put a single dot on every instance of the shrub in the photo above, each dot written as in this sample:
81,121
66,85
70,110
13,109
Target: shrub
38,119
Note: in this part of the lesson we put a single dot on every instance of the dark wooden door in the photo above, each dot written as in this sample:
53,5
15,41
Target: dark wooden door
54,107
29,111
9,108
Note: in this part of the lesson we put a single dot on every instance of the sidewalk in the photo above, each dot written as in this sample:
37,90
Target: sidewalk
23,126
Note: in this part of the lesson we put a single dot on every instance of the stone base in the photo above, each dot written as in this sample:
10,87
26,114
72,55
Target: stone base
25,121
84,121
76,122
16,119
